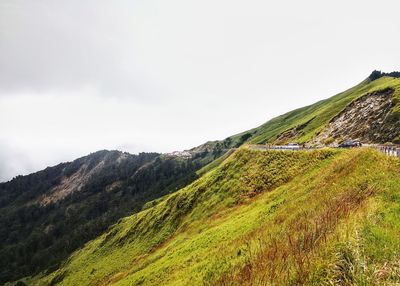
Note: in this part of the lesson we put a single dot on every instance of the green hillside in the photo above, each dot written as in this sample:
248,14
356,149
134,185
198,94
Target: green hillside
323,217
310,120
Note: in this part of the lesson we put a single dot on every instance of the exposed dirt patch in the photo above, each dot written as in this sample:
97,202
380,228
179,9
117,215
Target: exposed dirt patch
80,177
291,134
70,184
113,186
367,119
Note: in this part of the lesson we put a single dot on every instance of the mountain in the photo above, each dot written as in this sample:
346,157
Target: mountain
47,215
221,213
286,218
374,102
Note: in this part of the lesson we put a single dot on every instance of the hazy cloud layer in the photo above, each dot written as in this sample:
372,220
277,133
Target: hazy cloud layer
77,76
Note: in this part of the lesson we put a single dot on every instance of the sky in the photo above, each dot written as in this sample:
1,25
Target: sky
80,76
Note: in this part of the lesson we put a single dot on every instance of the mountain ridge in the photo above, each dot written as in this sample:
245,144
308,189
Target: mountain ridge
50,213
313,118
376,74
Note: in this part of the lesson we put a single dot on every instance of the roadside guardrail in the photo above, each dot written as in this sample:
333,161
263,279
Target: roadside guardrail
389,150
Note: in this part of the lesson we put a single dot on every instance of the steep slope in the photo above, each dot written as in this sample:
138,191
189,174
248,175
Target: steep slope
305,124
286,218
367,119
45,216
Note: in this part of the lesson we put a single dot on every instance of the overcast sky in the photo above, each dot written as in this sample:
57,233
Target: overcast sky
79,76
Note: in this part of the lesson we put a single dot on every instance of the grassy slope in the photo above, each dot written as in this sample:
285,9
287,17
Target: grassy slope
321,216
320,113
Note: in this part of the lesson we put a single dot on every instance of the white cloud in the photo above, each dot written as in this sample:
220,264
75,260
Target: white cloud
77,76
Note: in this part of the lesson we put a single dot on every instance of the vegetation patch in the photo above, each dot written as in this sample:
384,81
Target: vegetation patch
259,218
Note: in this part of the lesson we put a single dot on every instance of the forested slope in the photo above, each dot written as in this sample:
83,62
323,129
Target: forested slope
47,215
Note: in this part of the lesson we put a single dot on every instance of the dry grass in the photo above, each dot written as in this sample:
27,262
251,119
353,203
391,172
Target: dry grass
286,260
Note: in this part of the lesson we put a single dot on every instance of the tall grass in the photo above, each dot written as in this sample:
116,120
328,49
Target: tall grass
287,259
259,218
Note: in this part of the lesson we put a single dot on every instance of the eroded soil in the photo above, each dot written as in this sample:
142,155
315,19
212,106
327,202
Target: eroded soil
368,119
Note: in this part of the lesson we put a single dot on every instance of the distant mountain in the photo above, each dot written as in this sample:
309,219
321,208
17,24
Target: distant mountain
47,215
220,213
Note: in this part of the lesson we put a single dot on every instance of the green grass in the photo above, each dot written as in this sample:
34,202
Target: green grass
320,215
214,163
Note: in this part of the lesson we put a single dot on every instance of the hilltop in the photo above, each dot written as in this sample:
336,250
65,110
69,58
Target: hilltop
312,124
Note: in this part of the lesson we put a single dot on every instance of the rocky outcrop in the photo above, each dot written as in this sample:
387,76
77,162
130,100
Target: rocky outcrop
368,119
